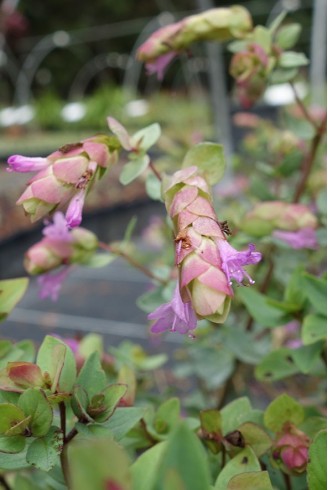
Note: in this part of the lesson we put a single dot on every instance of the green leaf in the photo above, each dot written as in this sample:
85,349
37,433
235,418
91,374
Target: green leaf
277,21
57,359
98,464
153,187
14,462
112,396
209,158
99,260
281,410
255,437
292,59
184,457
133,169
316,291
316,469
11,291
92,377
306,357
80,402
288,35
11,417
123,420
294,292
12,444
263,37
234,414
33,402
214,366
282,75
146,137
259,308
243,345
130,229
314,328
211,428
92,342
278,364
44,452
166,418
254,480
244,462
145,469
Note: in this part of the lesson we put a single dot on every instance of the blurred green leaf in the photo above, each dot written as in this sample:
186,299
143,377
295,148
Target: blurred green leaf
316,291
254,480
209,158
211,429
292,59
305,357
281,410
185,457
282,75
244,462
145,469
146,137
238,412
259,308
112,396
276,365
166,418
255,437
98,260
44,452
12,417
316,469
12,444
14,462
288,35
133,169
277,21
263,37
153,187
314,328
11,292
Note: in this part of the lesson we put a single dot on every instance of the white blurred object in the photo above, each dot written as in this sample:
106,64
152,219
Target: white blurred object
282,94
72,112
16,115
137,108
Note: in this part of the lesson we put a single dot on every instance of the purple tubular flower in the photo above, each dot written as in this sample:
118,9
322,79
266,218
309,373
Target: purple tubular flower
74,210
50,284
19,163
58,230
303,238
159,65
175,316
233,262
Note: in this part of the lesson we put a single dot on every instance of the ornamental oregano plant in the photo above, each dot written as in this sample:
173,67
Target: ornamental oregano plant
239,272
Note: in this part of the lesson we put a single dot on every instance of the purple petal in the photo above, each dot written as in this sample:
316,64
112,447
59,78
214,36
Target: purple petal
58,230
233,261
159,65
303,238
176,316
19,163
74,210
50,284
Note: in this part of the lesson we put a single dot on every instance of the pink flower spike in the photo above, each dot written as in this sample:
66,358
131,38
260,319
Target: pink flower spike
50,284
19,163
175,316
233,261
74,210
58,230
303,238
159,65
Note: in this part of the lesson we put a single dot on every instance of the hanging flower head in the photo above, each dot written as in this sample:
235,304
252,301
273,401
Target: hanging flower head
64,177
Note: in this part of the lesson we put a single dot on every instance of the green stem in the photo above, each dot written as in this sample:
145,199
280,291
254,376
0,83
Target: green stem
132,262
65,465
303,108
62,413
288,482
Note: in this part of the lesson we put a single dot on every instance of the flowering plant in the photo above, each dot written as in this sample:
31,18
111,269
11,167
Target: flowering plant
75,416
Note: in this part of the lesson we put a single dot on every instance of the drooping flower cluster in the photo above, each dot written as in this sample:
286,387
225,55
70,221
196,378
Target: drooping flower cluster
215,24
207,262
64,177
58,250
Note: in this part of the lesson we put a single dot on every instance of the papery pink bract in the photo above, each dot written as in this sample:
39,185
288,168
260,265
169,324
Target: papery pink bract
175,316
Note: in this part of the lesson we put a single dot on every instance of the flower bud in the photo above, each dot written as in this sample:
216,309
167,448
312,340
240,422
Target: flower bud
291,450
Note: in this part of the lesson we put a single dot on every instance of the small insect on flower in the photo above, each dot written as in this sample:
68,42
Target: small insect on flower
225,227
